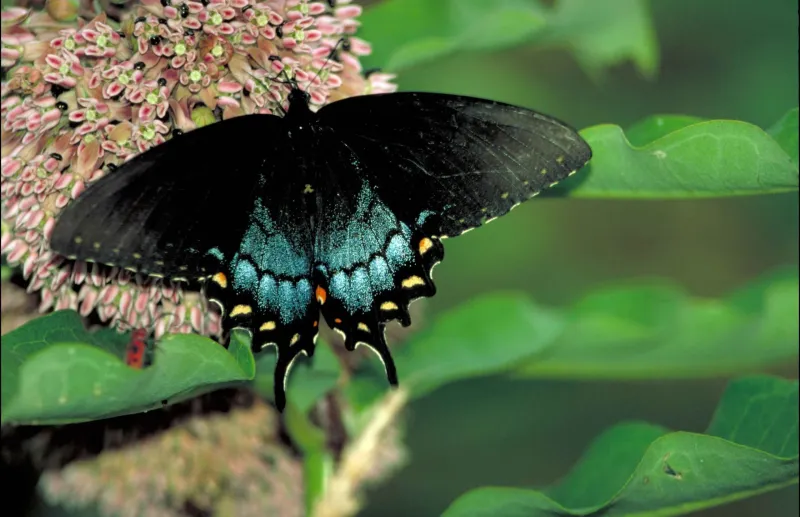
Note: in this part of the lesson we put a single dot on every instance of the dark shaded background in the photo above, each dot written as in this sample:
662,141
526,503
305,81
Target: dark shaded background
732,59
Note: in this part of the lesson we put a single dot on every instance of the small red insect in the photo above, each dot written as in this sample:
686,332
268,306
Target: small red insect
135,351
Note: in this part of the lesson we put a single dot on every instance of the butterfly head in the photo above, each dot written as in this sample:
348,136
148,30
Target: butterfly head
298,98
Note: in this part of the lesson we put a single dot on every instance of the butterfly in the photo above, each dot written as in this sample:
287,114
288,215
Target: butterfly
341,211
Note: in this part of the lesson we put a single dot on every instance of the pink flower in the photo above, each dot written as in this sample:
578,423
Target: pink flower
101,40
120,78
92,113
195,77
65,69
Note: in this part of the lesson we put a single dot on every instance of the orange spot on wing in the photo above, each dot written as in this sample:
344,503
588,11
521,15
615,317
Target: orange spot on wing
322,295
424,245
316,323
220,279
337,320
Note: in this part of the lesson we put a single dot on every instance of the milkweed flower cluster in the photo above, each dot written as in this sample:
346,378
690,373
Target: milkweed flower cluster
79,99
229,462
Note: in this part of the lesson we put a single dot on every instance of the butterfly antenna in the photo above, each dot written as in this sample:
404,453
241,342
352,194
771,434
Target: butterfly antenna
327,60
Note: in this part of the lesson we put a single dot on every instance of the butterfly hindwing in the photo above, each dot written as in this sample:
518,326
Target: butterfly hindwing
265,286
464,159
369,263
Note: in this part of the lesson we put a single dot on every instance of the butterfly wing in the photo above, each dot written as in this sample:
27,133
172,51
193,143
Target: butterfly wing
158,212
463,159
216,203
419,167
369,262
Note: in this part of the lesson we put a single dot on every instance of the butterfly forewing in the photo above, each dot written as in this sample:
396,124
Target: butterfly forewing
162,212
465,159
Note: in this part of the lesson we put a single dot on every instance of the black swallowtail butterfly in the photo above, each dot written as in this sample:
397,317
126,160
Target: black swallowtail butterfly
341,211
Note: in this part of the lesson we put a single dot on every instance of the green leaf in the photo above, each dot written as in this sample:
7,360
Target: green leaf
487,335
638,469
310,379
785,132
404,33
479,338
659,331
656,126
54,371
681,157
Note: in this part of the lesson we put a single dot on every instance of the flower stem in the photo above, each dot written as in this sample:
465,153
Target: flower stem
317,461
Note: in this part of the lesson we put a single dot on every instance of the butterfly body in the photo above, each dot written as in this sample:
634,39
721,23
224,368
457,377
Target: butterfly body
339,212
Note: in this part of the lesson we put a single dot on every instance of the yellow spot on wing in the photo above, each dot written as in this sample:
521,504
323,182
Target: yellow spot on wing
96,245
363,326
424,245
270,325
505,195
389,306
78,239
241,310
295,339
544,171
137,256
412,281
560,159
220,279
308,189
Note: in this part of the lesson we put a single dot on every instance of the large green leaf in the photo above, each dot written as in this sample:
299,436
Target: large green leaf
639,469
659,331
54,371
686,157
601,33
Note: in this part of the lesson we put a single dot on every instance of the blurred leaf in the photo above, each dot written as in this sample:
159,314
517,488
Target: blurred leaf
704,159
485,336
310,379
55,371
659,331
603,34
785,132
642,331
404,33
482,337
643,470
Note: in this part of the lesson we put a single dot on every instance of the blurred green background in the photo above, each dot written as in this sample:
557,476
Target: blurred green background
729,59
